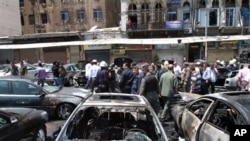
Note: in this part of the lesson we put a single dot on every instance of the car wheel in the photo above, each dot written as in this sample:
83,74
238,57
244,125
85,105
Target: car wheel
40,134
64,110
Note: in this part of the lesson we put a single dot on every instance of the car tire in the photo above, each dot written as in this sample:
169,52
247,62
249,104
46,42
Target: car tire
40,134
63,111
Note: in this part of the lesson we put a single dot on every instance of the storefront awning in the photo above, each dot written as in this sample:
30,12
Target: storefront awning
184,40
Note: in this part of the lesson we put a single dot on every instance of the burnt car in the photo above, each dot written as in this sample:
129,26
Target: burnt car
22,124
212,116
79,78
58,102
113,116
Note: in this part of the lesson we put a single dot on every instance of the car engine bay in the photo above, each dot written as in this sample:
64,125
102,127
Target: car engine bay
119,123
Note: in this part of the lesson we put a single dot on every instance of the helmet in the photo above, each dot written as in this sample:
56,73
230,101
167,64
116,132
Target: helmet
103,64
94,61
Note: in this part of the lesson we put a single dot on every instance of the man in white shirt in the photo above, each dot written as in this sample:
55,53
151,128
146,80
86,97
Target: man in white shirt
87,74
93,72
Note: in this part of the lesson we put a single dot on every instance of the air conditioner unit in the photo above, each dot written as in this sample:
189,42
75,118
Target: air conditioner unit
188,30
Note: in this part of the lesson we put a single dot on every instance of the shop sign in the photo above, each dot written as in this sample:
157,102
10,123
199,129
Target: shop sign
174,24
138,47
225,43
96,47
118,51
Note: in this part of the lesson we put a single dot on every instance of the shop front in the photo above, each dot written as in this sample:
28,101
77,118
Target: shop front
139,53
98,52
171,52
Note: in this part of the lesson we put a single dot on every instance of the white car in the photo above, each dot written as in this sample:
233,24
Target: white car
30,68
231,80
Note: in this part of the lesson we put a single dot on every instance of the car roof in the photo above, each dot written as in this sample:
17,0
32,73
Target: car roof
15,78
120,99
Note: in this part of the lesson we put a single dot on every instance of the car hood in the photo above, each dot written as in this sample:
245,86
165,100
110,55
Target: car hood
26,113
79,92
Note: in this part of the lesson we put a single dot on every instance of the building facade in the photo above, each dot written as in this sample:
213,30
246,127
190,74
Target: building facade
136,19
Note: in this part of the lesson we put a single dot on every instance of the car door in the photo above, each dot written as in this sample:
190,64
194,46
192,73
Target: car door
32,70
5,98
192,118
222,117
25,94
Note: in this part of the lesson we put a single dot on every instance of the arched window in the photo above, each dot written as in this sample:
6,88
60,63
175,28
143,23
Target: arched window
186,11
144,13
230,3
202,4
158,12
132,9
245,3
215,3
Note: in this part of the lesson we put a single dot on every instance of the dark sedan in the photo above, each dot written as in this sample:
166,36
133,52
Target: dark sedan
22,124
57,102
211,117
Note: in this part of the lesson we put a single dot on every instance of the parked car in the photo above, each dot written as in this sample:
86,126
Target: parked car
30,68
23,124
231,81
113,116
79,78
211,117
71,70
58,102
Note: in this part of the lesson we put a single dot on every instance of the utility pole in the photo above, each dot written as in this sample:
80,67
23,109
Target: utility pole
206,20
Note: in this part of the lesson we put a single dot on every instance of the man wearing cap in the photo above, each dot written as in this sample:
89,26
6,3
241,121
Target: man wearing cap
168,87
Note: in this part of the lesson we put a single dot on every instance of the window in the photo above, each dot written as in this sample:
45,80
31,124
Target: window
65,16
4,87
172,15
199,107
21,87
44,18
202,4
42,1
31,19
186,12
145,13
80,15
21,3
97,14
230,3
215,3
132,9
230,15
224,116
158,12
208,17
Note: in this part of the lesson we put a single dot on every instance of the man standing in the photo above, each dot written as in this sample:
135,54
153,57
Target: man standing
23,69
87,74
126,79
93,72
136,81
41,73
149,88
102,81
168,86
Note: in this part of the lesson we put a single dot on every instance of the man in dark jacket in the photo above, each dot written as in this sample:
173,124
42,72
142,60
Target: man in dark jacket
126,79
149,88
102,80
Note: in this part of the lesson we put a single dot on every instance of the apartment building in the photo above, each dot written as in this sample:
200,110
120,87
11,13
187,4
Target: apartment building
137,19
9,26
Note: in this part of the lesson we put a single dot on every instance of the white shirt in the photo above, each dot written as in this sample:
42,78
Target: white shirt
87,70
93,70
177,70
